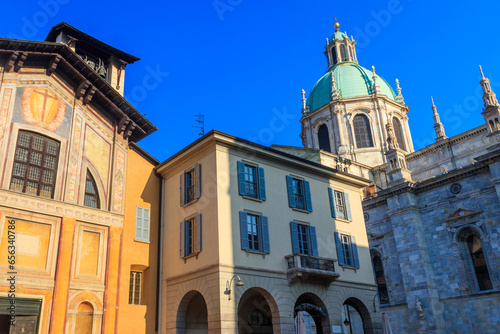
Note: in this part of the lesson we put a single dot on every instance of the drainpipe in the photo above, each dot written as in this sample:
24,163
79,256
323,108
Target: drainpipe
160,257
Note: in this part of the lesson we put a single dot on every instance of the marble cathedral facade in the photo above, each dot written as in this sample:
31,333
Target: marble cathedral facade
432,214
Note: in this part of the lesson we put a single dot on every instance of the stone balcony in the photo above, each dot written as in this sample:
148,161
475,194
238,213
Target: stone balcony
310,269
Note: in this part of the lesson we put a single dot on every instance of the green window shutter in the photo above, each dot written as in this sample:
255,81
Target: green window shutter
309,206
244,230
332,203
314,242
241,178
197,233
262,183
340,252
266,246
354,248
182,239
138,224
347,206
289,186
182,190
295,237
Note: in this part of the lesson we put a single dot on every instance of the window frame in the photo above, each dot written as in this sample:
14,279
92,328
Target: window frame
193,187
262,226
90,178
296,187
361,142
383,285
132,287
299,230
142,227
259,181
190,245
346,243
28,163
342,210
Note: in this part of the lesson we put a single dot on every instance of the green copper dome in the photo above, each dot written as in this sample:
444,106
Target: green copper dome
340,36
351,79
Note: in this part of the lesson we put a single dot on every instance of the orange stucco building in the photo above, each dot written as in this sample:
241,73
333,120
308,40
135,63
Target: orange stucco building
79,201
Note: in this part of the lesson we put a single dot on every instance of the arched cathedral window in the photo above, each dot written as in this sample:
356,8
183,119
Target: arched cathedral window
362,131
474,259
334,55
343,52
91,194
324,138
398,131
378,270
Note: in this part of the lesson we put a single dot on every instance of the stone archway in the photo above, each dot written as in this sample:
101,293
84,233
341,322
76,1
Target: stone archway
314,312
192,314
356,318
258,312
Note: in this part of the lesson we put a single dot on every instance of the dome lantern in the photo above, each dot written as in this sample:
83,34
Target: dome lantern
340,48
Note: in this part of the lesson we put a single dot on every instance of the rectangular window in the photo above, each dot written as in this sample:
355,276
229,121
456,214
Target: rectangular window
251,181
340,205
190,236
35,165
254,232
134,296
142,224
347,251
299,193
304,239
190,189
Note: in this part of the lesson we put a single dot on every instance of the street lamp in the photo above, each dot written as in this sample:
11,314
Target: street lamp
228,285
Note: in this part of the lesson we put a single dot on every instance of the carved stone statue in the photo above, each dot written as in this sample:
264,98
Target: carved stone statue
420,309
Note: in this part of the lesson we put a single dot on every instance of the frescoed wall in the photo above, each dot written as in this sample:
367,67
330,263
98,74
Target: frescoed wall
43,107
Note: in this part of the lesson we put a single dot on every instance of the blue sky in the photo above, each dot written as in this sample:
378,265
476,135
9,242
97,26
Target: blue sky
243,63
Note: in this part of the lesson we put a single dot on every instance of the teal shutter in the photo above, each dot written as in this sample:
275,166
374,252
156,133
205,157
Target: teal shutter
295,237
182,240
197,180
181,189
314,242
197,233
347,207
241,178
332,203
289,186
340,251
138,224
309,206
266,247
244,230
354,252
262,183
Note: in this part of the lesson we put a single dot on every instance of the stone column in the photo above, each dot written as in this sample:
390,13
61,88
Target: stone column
112,273
63,272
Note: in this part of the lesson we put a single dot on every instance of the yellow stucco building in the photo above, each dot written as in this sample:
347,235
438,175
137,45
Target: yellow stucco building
79,201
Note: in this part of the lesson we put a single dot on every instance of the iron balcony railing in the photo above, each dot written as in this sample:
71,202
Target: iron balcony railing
299,202
251,189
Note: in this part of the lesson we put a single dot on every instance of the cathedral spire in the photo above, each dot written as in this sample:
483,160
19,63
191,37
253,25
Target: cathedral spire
491,110
376,88
399,98
438,126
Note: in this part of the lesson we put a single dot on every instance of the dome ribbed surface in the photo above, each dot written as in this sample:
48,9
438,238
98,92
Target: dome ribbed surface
352,80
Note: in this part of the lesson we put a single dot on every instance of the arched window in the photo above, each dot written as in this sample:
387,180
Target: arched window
398,130
474,260
479,262
351,56
378,269
492,126
343,52
334,55
497,124
91,194
362,131
324,138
